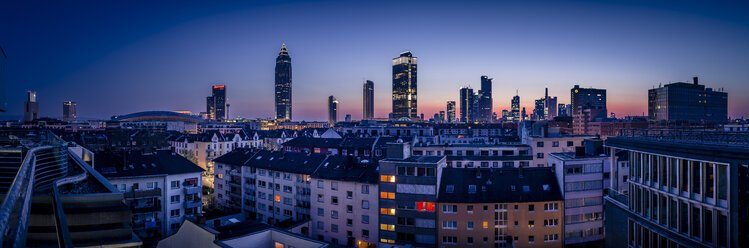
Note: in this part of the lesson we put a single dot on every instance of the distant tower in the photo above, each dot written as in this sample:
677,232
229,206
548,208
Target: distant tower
441,116
3,58
368,107
485,101
68,111
332,110
283,85
450,111
515,108
31,107
216,106
404,86
467,105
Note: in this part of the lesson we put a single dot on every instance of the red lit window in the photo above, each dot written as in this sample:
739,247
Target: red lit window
425,206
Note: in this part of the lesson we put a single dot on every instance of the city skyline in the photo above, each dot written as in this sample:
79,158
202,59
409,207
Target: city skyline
107,79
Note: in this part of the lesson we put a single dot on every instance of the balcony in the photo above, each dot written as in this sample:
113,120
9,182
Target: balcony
299,197
146,208
249,187
142,193
234,183
146,226
235,172
193,204
193,189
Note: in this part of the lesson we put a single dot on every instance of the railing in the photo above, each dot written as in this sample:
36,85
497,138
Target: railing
687,135
192,189
193,203
142,193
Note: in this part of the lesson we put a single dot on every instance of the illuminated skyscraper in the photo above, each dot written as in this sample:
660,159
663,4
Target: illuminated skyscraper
216,105
441,116
31,107
467,105
283,85
538,110
515,108
332,110
485,101
404,86
588,98
450,111
68,111
550,106
368,105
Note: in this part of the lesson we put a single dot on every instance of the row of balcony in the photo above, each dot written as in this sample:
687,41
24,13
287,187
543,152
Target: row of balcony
142,193
193,203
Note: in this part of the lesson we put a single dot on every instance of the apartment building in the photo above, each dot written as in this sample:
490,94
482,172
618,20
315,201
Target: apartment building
202,148
161,188
408,212
228,180
345,206
507,207
686,189
479,155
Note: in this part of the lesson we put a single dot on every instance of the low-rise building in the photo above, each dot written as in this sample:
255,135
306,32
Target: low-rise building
242,234
204,147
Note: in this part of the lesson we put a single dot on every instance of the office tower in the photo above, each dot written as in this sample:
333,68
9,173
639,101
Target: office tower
348,117
562,109
568,109
283,85
685,188
3,100
550,106
485,102
404,86
441,116
589,98
451,111
523,115
216,104
687,103
538,110
368,105
332,110
467,105
68,111
30,107
515,108
506,115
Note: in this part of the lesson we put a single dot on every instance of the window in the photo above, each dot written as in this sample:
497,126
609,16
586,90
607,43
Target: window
470,225
387,195
551,206
540,144
387,211
277,198
551,238
449,240
469,209
485,224
365,189
452,225
320,212
540,155
320,225
333,214
334,185
531,239
174,213
555,144
175,184
349,194
551,222
365,204
406,221
365,219
174,199
287,189
570,143
334,228
365,233
386,227
531,224
469,241
387,179
349,208
334,200
450,209
531,208
320,198
448,188
471,189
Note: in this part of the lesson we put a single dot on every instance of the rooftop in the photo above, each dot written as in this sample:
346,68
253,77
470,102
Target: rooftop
498,185
294,162
417,159
133,164
347,168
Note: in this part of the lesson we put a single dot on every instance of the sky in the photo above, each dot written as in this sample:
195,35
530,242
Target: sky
120,57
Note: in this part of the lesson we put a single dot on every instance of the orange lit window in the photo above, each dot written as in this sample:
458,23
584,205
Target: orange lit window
425,206
385,178
387,227
387,211
387,195
485,224
389,241
278,198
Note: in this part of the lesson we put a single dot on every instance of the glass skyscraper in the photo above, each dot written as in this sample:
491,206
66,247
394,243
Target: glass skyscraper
515,108
485,101
283,85
450,111
684,102
332,110
216,103
588,98
368,105
467,105
404,86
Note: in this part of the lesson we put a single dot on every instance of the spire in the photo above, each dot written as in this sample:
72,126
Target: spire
283,52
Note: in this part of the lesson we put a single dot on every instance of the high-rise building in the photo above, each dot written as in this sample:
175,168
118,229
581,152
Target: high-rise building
68,111
467,106
450,111
538,110
348,118
685,102
216,105
3,100
523,116
283,85
562,110
515,108
368,105
404,86
30,107
485,101
550,106
588,98
332,110
442,116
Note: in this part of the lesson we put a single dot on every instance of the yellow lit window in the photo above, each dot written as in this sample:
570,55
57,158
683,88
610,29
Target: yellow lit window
485,224
387,195
278,198
388,241
386,227
387,211
385,178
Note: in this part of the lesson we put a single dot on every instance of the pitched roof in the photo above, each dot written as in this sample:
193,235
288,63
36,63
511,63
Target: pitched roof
294,162
237,157
496,185
358,142
348,168
132,164
304,141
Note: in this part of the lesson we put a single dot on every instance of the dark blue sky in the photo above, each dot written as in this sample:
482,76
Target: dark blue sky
121,57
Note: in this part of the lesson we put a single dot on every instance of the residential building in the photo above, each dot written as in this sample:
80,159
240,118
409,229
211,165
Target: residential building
283,85
68,111
161,188
408,212
328,146
202,148
228,180
479,156
404,87
686,189
241,234
473,213
345,210
368,99
687,103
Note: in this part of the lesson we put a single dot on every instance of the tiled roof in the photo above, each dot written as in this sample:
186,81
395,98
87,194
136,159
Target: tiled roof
236,157
347,168
131,164
496,185
304,141
294,162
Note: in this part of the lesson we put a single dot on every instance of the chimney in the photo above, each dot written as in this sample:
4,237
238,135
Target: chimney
695,80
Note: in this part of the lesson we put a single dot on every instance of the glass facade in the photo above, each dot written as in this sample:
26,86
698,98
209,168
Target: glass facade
283,85
404,86
684,102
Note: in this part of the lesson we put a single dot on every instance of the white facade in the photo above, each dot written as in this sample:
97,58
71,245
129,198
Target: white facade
344,212
541,147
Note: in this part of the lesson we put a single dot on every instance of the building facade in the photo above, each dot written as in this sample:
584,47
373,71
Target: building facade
68,111
30,107
687,103
450,111
467,105
216,104
332,110
283,85
368,101
485,101
404,87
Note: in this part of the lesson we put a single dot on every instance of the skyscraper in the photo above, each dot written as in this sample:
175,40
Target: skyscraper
550,106
332,110
283,85
589,98
68,111
31,107
368,105
404,86
485,101
3,100
685,102
442,116
450,111
216,103
538,110
562,110
515,108
467,105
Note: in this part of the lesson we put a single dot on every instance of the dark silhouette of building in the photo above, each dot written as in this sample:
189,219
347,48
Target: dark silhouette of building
588,98
216,105
450,111
404,86
687,103
515,108
3,58
283,85
485,100
332,110
30,107
467,105
68,111
368,105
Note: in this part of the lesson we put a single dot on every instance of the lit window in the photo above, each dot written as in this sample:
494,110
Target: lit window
278,198
387,211
386,227
485,224
425,206
385,178
387,195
